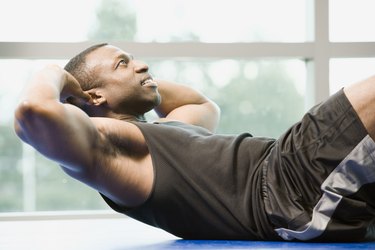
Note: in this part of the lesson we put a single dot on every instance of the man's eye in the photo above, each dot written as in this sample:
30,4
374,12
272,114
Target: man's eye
122,62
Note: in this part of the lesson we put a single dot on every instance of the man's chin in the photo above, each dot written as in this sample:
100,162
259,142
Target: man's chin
158,100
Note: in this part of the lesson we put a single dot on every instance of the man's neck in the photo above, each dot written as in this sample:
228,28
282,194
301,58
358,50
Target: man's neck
129,118
118,116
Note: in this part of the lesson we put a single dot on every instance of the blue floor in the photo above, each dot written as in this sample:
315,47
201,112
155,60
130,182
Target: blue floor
216,244
125,234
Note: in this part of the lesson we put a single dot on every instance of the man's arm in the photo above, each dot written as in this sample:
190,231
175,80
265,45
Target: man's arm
182,103
61,132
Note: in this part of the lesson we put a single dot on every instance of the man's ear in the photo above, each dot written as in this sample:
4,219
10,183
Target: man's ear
97,97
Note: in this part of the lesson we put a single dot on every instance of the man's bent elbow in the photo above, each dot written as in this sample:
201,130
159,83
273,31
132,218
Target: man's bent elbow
23,110
24,115
213,116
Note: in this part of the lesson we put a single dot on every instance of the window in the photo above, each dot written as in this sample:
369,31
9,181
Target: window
153,21
349,26
348,70
263,97
263,61
351,20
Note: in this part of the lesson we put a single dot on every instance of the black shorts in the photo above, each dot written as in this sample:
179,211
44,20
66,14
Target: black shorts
318,182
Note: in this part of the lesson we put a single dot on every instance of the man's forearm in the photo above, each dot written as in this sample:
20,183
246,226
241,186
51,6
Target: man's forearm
176,95
45,86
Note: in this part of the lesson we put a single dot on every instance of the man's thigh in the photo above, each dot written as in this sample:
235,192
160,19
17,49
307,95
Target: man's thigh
304,159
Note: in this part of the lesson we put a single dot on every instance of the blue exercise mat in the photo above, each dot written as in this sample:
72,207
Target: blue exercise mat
259,245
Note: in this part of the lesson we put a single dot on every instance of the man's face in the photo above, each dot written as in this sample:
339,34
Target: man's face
126,83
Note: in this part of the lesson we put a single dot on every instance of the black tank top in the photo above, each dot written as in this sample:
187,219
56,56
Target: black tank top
206,186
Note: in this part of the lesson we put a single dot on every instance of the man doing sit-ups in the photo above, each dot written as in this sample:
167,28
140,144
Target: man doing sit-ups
314,183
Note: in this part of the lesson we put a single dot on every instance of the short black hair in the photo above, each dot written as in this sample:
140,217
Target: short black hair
78,68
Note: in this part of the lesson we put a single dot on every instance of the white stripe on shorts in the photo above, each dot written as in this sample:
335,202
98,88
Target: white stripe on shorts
356,170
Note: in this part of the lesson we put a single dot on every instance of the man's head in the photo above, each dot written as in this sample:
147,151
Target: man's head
119,85
79,69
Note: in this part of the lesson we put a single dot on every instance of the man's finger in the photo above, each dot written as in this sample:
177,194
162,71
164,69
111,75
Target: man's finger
87,97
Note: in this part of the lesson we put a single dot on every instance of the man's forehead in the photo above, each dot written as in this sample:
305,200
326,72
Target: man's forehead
106,53
114,50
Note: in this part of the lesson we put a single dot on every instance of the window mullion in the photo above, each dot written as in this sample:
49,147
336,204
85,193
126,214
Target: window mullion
320,69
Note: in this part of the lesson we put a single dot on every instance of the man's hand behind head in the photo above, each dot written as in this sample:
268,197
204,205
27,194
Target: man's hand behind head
72,92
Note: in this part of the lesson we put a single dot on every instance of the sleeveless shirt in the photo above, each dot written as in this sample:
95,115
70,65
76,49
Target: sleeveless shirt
206,186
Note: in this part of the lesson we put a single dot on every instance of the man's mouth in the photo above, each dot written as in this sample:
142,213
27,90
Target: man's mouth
149,82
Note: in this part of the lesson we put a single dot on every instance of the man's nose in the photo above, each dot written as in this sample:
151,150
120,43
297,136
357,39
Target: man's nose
140,67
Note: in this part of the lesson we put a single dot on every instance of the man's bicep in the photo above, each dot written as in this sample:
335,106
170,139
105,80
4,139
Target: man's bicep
80,136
